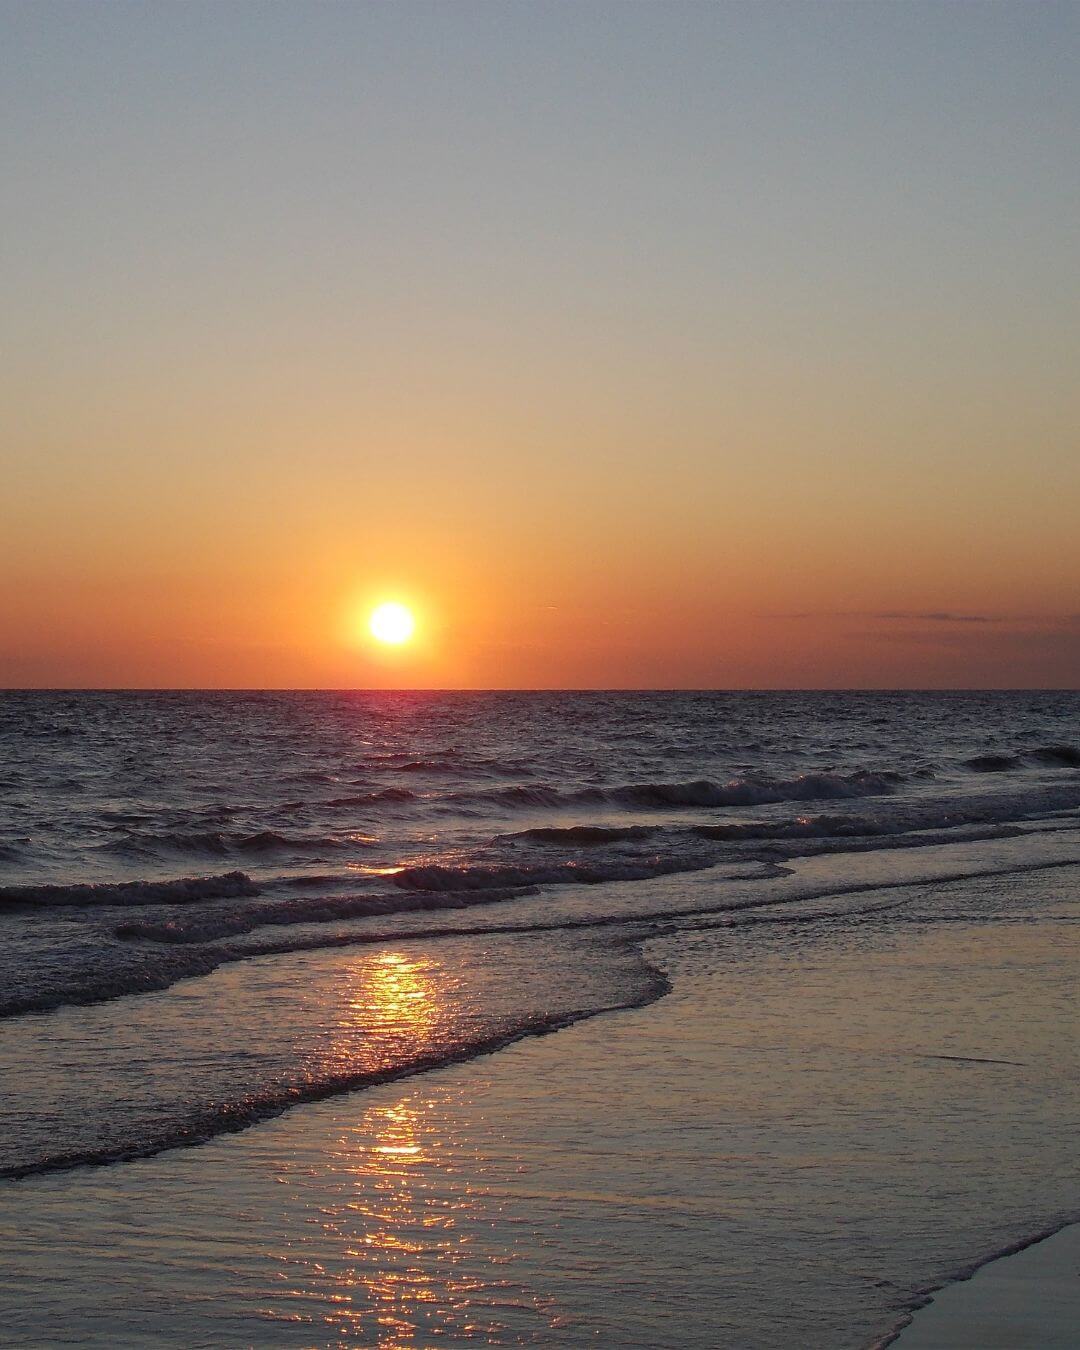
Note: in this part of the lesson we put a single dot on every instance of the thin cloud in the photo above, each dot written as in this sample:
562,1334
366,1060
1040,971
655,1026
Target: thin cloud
935,616
942,616
895,615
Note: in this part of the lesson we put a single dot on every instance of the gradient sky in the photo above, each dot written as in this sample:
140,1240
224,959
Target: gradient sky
635,344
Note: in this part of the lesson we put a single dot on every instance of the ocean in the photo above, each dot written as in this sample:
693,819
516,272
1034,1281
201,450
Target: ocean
618,1018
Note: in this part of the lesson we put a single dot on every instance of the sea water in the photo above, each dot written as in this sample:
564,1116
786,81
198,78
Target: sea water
832,937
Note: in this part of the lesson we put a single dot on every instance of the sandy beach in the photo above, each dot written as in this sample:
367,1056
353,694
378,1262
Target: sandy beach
1027,1301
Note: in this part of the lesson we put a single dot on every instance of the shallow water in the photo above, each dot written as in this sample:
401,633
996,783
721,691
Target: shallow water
816,1124
833,937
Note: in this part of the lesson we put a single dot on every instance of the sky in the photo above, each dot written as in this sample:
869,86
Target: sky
679,344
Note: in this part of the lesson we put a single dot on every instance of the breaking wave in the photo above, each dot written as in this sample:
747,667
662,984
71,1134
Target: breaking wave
436,877
1065,756
751,790
182,890
583,834
1051,756
993,763
209,927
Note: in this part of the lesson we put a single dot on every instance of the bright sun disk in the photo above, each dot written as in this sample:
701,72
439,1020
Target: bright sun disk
392,623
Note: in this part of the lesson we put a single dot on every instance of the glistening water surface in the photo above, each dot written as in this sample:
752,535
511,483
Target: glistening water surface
840,929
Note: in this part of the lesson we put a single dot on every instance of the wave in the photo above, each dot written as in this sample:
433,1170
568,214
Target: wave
215,844
944,815
759,790
449,761
434,887
182,890
523,796
148,844
396,758
174,957
1065,756
583,834
267,841
439,877
994,763
430,766
390,794
751,790
245,919
1054,756
802,827
215,1118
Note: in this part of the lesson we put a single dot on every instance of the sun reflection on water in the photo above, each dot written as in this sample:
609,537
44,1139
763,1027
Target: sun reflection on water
400,1257
389,1013
403,1252
401,993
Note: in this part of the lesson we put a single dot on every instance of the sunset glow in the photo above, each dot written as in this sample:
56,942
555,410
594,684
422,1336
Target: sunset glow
609,431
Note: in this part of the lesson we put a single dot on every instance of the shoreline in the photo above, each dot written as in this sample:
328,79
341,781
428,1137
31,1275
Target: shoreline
678,1153
985,1301
632,982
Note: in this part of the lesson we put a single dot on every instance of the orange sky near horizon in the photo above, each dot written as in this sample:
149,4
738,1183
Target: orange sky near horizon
635,347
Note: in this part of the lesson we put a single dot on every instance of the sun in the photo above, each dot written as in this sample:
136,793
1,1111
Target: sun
391,623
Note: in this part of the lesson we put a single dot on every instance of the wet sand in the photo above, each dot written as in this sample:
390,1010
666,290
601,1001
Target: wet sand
1027,1301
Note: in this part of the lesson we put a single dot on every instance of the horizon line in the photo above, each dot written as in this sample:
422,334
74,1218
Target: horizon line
539,689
